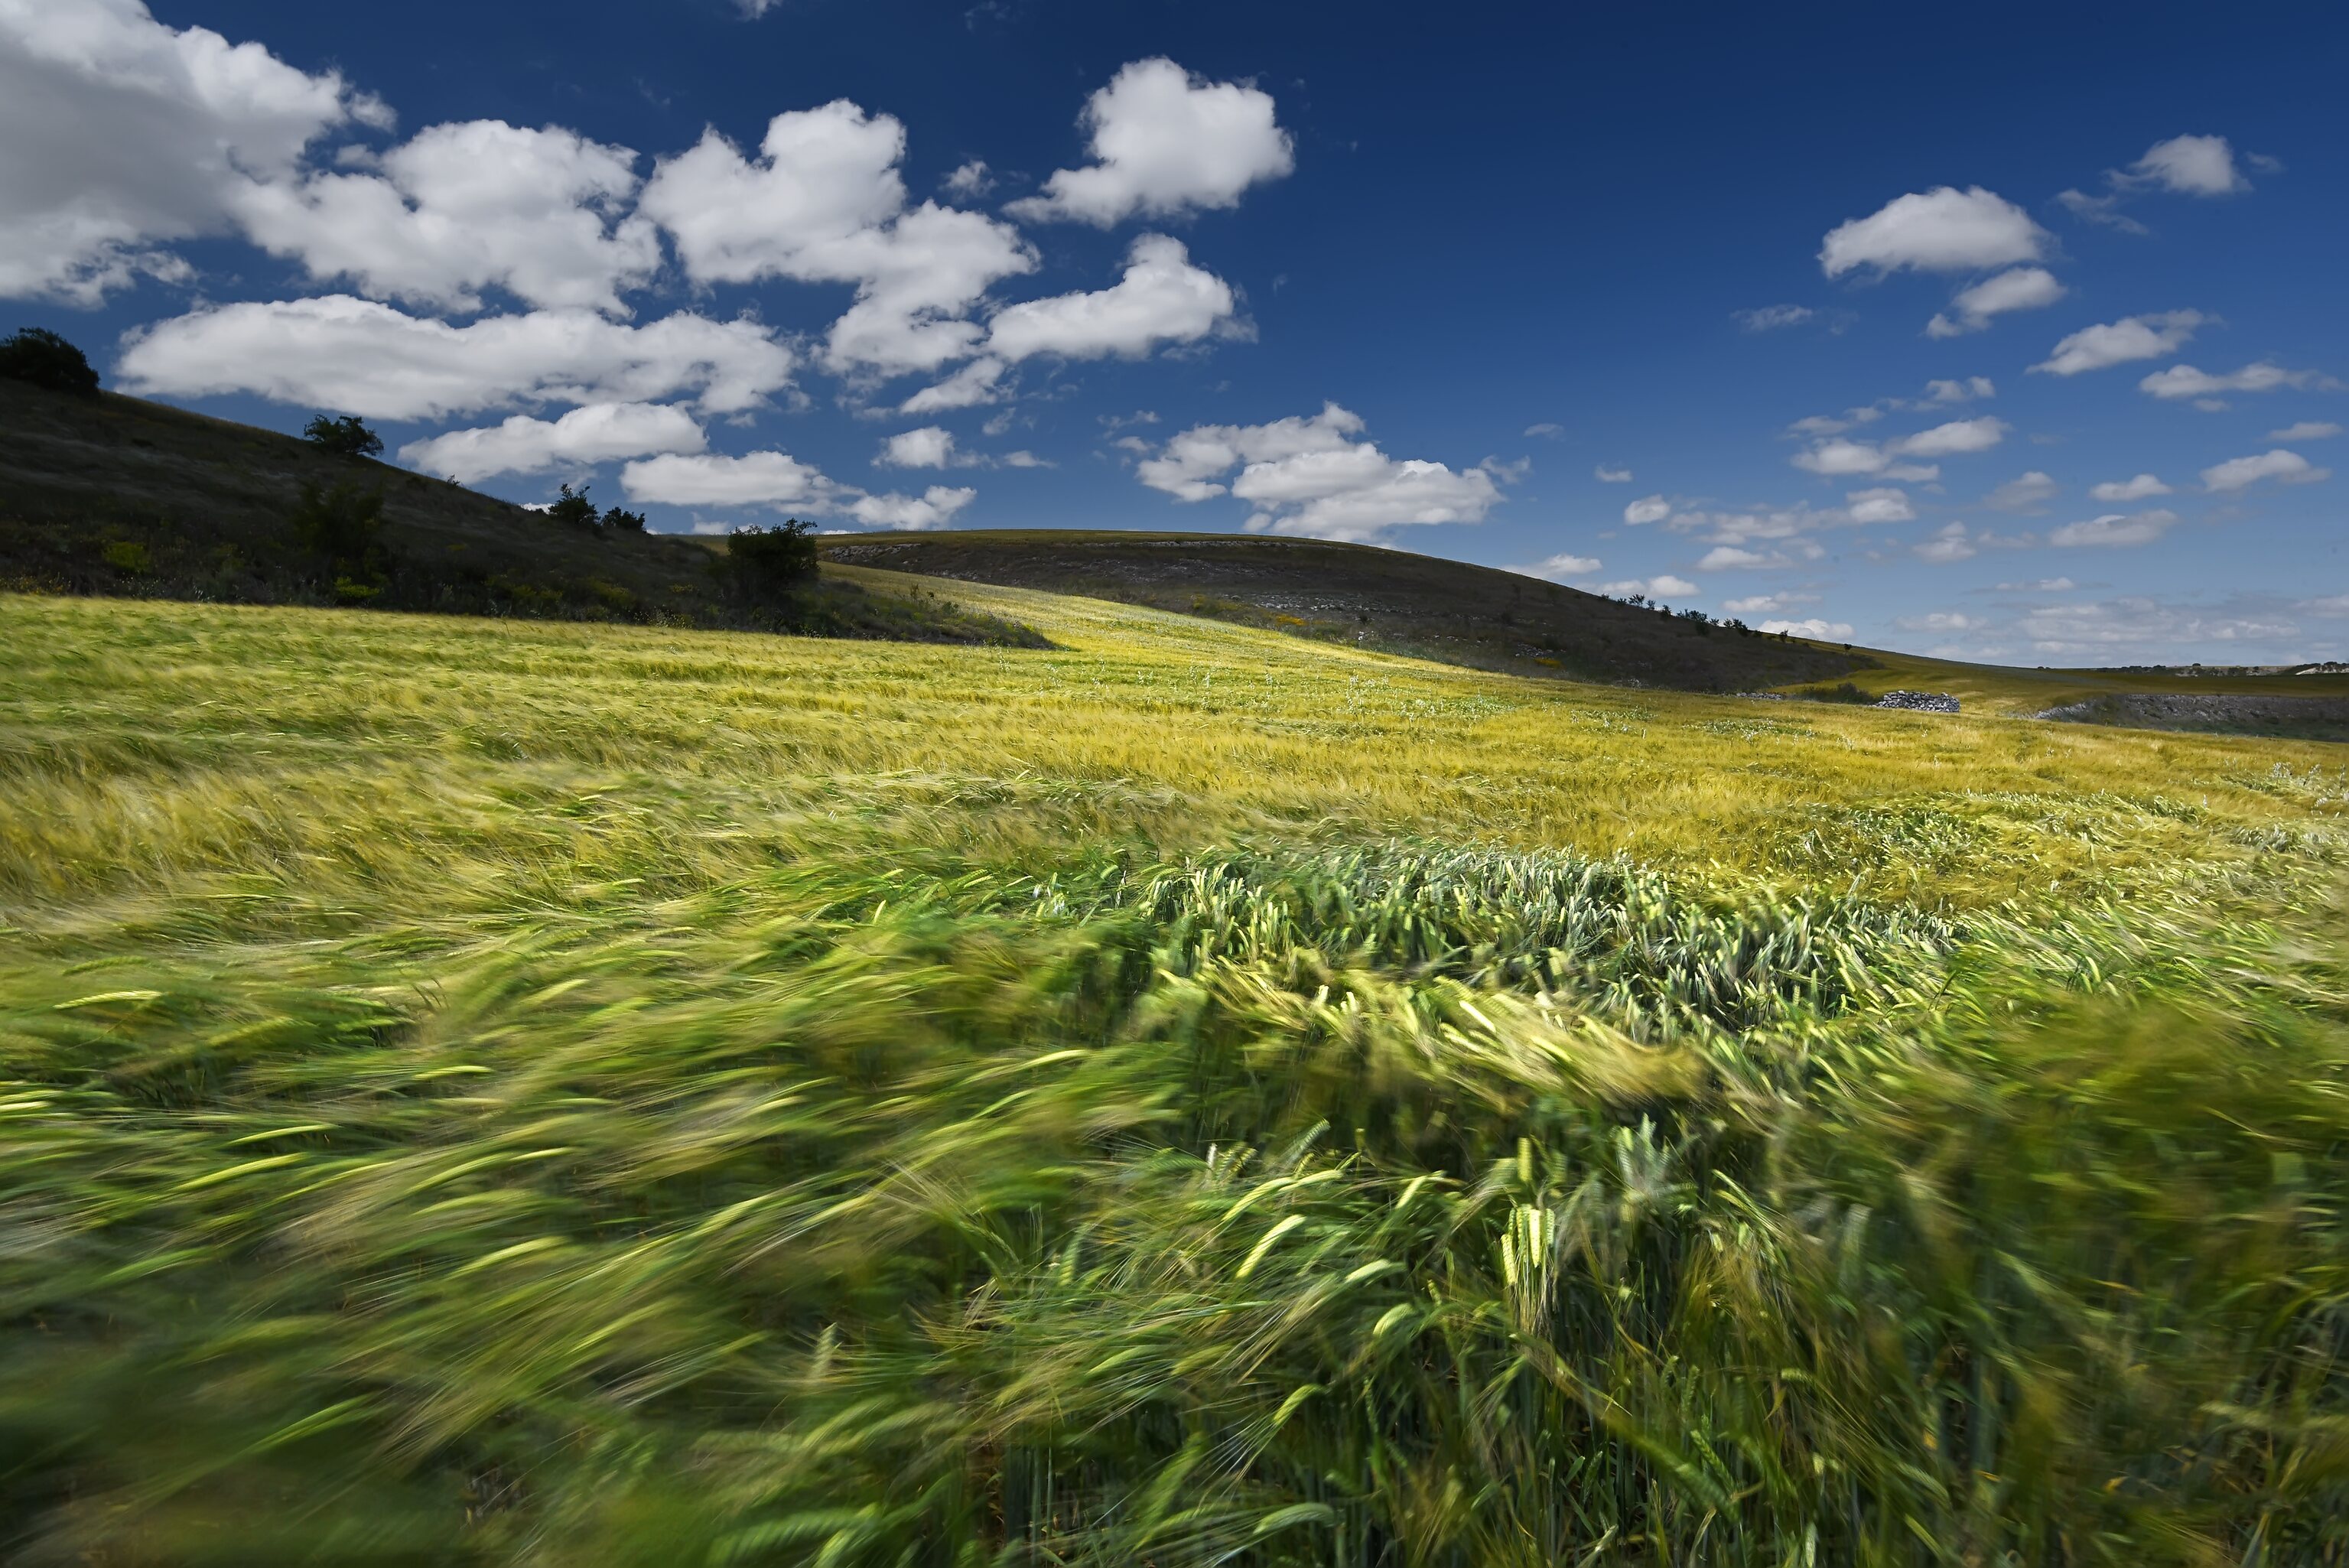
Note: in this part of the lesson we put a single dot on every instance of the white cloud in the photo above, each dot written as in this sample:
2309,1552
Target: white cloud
930,447
1941,230
1957,438
1821,630
967,388
2040,585
1647,509
584,437
2116,531
2141,488
755,478
2119,342
970,181
934,508
2190,165
1770,317
2148,628
1607,476
1025,460
360,356
1165,142
1838,457
2018,288
2283,467
1310,476
1548,432
1964,391
1725,557
1162,298
1950,543
2306,431
118,133
2186,381
2027,493
825,203
1940,621
1558,568
461,207
1667,583
1881,506
1760,604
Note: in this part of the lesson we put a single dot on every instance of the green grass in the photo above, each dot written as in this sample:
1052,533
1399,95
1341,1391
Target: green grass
538,1093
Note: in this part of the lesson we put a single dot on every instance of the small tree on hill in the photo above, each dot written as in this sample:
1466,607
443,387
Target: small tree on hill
627,521
573,507
766,562
346,437
41,357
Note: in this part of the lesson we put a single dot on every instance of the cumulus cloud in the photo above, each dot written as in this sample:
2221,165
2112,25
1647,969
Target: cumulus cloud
583,438
2306,431
1952,543
1558,568
2114,529
1654,587
931,446
2039,585
934,508
1939,230
976,383
1165,142
1648,508
825,203
1162,298
2283,467
2149,628
1839,457
2118,343
1814,628
1760,604
2191,165
1965,391
970,181
461,207
1723,557
2018,288
1313,476
775,479
119,134
2186,381
2142,488
2027,493
1771,318
354,355
1881,506
1607,476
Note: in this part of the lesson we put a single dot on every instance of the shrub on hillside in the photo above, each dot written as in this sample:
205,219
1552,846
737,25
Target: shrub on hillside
627,521
43,358
343,524
346,437
572,507
765,562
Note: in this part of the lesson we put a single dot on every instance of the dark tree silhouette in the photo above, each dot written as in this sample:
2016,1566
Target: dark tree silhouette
766,562
37,355
573,507
345,437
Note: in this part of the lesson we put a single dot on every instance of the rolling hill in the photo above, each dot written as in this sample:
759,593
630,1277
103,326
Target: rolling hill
1366,597
116,495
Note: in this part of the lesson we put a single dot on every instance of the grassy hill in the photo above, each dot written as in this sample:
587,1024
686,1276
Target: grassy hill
1188,1095
1358,596
116,495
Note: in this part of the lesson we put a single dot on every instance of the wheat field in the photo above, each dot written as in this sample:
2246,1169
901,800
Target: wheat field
531,1093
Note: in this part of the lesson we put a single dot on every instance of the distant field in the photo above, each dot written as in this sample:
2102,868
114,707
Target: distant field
512,1092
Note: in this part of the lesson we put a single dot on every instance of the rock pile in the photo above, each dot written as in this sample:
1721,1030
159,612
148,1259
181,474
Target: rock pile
1920,701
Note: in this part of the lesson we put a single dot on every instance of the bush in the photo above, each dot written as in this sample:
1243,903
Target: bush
572,507
46,360
765,562
628,522
1843,692
343,524
346,437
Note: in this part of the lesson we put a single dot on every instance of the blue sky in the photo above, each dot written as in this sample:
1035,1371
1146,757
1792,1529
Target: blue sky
2016,335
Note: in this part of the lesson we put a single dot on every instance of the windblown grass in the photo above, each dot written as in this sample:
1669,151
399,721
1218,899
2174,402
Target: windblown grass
532,1094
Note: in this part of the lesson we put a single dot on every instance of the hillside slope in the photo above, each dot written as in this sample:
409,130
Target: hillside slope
116,495
1364,597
